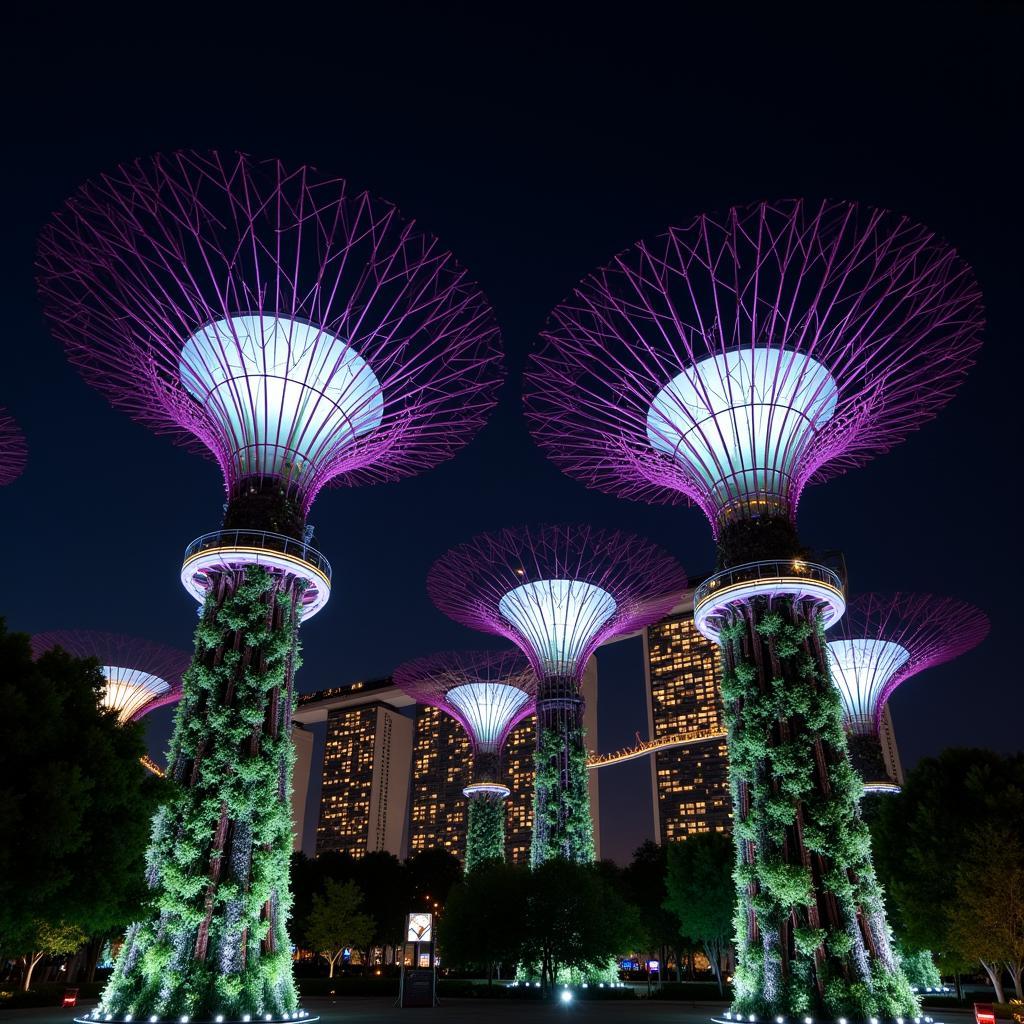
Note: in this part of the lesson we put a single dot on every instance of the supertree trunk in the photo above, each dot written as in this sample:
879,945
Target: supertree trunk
485,830
810,924
562,825
217,866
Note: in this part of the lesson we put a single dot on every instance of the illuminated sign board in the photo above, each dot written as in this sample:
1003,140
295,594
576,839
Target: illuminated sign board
419,928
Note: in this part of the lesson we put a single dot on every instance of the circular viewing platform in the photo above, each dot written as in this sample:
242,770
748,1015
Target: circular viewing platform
226,550
794,578
497,789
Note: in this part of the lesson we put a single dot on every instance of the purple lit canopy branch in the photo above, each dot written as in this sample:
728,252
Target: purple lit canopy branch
885,639
141,676
734,360
13,450
487,692
557,592
295,329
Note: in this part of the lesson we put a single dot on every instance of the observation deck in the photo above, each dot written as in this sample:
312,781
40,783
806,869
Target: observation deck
793,578
229,550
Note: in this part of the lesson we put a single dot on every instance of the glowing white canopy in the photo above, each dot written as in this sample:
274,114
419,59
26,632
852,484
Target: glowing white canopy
487,709
558,618
740,420
861,669
283,391
129,690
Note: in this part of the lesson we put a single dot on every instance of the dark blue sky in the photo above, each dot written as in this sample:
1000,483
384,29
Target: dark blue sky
536,149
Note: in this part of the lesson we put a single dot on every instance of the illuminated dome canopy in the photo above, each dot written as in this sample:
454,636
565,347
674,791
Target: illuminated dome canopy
559,618
557,592
140,676
283,391
741,421
297,331
861,669
885,639
489,692
734,360
13,450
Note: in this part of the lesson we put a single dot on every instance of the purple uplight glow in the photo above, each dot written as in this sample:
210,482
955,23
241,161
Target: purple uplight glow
885,639
13,450
557,592
732,361
488,692
141,676
297,331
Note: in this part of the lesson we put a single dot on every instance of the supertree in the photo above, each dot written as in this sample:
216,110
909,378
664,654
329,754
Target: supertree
141,676
882,641
301,334
558,593
489,693
13,450
728,363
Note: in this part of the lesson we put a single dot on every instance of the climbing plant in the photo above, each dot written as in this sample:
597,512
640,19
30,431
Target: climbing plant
216,940
810,924
561,813
485,831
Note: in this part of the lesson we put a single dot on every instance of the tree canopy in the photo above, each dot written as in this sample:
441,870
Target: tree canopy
701,894
336,921
74,801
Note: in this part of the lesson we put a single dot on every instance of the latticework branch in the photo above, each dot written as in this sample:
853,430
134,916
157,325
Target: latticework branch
885,639
292,328
732,361
13,449
488,692
150,675
557,592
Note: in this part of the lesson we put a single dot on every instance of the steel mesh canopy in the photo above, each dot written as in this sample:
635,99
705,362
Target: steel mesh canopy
296,330
557,592
884,639
734,360
141,676
13,450
488,692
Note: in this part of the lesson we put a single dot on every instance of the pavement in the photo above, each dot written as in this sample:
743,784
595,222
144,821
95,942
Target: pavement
382,1010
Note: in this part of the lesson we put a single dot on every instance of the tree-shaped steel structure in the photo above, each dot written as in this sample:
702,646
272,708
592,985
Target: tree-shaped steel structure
489,693
141,676
557,592
729,363
302,334
13,450
881,642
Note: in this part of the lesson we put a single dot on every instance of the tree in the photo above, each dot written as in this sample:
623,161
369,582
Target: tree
432,873
986,922
60,939
335,922
574,919
483,917
922,835
701,893
387,897
73,793
645,886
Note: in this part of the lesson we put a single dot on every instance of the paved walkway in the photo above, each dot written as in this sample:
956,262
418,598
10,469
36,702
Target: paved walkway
377,1010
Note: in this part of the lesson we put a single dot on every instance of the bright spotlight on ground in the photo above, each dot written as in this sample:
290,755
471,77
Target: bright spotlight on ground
566,996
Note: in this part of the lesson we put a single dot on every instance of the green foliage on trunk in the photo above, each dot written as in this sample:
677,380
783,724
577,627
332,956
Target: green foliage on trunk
810,923
485,831
216,940
562,826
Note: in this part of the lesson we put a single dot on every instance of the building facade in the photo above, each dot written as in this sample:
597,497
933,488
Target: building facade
364,794
690,784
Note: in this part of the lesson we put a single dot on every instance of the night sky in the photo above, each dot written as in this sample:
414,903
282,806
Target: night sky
536,150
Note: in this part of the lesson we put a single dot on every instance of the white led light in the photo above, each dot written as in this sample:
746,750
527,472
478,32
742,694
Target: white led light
559,618
842,1020
779,1020
152,1020
184,1020
488,709
219,1018
282,392
566,997
128,1017
266,1016
861,669
741,421
246,1018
